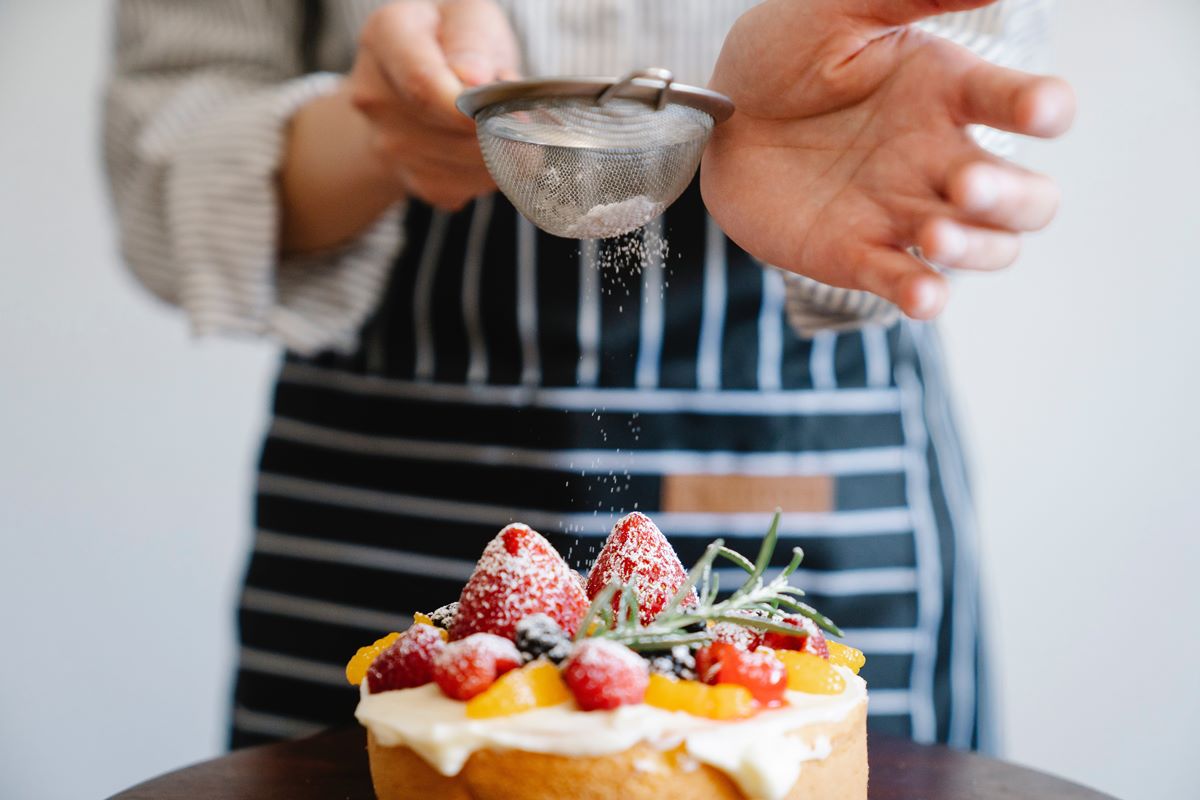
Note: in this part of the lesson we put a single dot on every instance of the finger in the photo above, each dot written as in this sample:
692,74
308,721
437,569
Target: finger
397,140
478,41
952,244
902,12
1011,100
448,189
918,291
1002,196
404,37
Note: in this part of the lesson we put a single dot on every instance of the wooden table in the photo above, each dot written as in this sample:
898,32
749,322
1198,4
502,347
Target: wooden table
333,766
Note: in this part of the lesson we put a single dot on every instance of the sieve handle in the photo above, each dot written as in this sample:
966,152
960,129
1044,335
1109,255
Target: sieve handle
653,74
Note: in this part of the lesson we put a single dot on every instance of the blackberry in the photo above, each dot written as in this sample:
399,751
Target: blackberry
444,616
679,661
538,635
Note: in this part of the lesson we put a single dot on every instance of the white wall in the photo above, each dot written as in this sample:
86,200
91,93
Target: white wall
126,448
125,455
1078,373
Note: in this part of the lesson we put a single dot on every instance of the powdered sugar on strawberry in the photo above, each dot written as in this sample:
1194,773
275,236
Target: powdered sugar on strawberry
468,666
408,662
603,674
519,573
807,638
737,635
636,550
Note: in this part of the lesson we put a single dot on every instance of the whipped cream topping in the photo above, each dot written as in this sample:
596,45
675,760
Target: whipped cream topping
763,755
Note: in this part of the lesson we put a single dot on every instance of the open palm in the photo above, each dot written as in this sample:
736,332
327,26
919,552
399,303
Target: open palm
850,145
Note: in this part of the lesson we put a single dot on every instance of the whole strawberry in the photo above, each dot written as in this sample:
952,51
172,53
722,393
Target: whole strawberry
637,552
603,674
407,662
468,666
808,638
519,574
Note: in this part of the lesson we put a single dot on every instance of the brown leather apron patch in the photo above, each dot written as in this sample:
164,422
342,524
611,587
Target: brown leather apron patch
724,494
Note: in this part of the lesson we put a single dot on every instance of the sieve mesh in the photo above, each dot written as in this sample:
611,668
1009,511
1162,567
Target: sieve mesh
583,170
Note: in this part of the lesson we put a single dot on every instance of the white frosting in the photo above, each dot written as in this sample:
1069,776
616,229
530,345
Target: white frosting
763,754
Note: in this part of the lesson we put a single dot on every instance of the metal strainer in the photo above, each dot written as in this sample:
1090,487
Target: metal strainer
589,158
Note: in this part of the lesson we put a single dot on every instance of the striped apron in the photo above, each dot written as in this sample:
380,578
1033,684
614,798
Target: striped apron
513,376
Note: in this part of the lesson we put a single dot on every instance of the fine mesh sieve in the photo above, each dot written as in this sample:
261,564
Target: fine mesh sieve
589,158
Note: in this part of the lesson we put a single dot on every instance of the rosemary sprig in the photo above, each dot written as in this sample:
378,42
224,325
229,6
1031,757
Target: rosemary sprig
757,603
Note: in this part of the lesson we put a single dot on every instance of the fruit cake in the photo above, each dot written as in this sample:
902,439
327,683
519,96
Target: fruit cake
642,681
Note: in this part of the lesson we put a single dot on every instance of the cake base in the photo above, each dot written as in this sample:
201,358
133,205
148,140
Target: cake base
639,773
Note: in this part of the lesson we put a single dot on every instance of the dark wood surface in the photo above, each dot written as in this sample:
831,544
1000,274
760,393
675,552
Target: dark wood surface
333,766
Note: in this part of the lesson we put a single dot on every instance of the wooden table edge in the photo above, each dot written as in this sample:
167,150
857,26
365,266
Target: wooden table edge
333,763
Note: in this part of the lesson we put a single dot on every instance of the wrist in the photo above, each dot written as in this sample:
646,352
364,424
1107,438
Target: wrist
332,184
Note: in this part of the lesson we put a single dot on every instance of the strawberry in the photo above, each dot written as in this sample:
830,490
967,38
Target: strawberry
603,674
407,662
739,635
468,666
760,672
808,638
519,574
637,551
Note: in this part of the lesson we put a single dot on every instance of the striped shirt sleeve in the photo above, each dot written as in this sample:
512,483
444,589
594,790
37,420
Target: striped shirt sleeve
196,113
1012,33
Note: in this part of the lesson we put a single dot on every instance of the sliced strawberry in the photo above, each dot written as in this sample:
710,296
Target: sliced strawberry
519,573
603,674
760,672
408,662
468,666
808,638
636,550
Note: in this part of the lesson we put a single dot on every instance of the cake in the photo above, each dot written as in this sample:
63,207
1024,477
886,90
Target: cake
638,683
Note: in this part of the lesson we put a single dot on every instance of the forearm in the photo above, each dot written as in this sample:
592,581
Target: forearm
332,186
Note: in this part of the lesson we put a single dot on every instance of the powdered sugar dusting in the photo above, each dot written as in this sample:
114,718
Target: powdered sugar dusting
466,667
614,219
637,551
603,674
602,653
737,635
519,573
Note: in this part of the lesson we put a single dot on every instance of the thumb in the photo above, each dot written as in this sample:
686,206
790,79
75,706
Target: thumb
903,12
478,41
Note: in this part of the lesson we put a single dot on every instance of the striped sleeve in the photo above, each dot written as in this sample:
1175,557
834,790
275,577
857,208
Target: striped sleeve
1012,33
196,113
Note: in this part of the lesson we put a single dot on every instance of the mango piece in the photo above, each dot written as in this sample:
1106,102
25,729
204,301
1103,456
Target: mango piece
534,685
725,701
729,701
845,656
357,666
809,673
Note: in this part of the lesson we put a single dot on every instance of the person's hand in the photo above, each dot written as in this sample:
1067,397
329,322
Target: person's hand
849,145
414,58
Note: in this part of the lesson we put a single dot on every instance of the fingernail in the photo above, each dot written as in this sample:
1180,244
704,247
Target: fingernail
470,67
1045,119
952,244
927,296
982,191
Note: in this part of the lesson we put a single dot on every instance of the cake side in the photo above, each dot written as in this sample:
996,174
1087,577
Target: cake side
641,772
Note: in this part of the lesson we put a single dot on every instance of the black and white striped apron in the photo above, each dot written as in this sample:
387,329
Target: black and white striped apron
508,377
